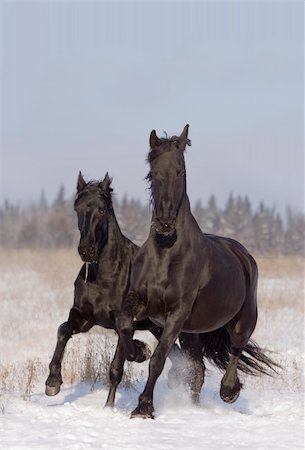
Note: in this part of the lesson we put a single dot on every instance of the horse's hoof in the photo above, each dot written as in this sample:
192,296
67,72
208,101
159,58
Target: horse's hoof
143,413
143,351
195,398
109,403
229,395
230,398
173,379
52,390
109,406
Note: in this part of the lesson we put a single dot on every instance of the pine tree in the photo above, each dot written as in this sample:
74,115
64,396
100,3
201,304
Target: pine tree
295,233
211,217
59,201
42,202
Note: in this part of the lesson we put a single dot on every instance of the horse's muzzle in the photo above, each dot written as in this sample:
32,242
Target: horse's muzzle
87,253
166,231
164,228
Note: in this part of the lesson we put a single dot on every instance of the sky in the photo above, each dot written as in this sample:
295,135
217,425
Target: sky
83,85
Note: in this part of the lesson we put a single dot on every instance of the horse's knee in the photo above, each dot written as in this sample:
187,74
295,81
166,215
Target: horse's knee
124,325
64,331
79,321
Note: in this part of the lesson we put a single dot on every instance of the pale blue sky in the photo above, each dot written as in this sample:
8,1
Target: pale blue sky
83,84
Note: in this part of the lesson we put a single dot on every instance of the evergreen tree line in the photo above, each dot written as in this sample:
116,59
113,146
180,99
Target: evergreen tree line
262,231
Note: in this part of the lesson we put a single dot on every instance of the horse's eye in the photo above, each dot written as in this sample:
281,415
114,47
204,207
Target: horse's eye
181,173
102,211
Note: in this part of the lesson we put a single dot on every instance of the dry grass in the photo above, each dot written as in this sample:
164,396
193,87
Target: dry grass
61,265
281,266
56,267
87,359
281,282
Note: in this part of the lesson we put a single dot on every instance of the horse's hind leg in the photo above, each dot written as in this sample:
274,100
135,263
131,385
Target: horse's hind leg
240,330
75,324
115,373
230,385
191,345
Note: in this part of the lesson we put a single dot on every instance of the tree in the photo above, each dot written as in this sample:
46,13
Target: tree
295,233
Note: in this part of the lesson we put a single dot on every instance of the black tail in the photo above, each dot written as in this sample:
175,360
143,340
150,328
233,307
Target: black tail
217,348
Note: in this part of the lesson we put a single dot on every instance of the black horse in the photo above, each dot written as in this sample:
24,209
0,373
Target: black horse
102,282
188,281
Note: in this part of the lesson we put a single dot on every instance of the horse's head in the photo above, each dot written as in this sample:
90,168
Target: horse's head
93,206
168,180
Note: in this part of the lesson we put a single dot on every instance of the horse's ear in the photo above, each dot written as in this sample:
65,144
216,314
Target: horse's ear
81,183
105,184
185,132
183,138
154,141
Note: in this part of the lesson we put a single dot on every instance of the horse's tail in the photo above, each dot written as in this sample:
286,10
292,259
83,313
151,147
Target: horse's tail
253,360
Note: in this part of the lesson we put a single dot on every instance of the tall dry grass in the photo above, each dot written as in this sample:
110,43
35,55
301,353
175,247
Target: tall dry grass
281,282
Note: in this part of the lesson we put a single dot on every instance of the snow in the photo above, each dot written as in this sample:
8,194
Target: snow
75,419
268,414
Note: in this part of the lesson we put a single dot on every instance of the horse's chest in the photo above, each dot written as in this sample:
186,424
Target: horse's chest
102,312
99,303
156,300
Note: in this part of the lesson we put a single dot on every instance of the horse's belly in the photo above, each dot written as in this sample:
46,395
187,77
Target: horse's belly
159,321
156,313
204,324
104,321
210,312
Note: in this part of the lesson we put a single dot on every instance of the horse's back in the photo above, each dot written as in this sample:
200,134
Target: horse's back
232,246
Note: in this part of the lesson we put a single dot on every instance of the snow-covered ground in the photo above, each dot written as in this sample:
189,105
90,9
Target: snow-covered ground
75,419
267,415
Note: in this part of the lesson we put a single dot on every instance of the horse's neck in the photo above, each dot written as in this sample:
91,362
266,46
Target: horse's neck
185,218
113,248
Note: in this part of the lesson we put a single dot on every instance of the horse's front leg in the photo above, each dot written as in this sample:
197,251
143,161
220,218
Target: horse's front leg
75,324
134,349
174,373
171,331
115,373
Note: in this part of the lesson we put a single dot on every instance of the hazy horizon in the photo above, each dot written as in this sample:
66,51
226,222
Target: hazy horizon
83,84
